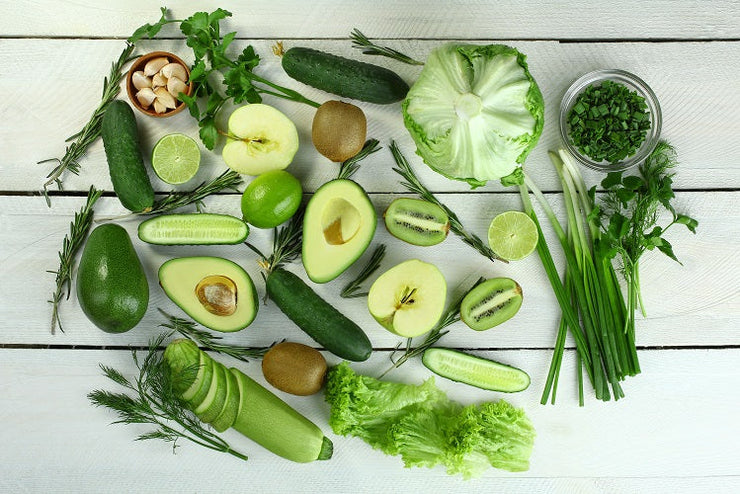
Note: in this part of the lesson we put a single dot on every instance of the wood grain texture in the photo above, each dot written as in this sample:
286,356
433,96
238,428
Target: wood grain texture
699,94
581,19
675,422
693,304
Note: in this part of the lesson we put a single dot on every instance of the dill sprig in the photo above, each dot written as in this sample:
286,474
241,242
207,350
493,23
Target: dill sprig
413,184
351,165
82,140
205,339
71,244
451,316
352,289
286,244
155,403
228,180
361,42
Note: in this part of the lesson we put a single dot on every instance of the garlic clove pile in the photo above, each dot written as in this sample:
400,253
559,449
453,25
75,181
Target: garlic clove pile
159,84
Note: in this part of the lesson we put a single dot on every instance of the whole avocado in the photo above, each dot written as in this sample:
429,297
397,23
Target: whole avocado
112,287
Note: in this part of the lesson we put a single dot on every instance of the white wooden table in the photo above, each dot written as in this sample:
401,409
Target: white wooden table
677,428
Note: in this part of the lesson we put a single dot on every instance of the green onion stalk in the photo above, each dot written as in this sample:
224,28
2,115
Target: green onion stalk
593,310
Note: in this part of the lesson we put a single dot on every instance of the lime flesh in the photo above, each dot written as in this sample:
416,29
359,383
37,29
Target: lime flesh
512,235
176,158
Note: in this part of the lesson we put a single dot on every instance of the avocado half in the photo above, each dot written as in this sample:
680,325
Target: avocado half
214,291
338,226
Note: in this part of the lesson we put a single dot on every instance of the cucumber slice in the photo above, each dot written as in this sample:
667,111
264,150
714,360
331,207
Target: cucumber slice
193,229
475,371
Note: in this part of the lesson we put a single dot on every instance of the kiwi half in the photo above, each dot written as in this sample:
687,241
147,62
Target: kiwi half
492,302
416,221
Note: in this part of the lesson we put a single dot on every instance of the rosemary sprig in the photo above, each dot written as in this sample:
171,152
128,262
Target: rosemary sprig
413,184
352,289
203,338
71,244
451,316
286,244
361,42
228,180
83,139
351,165
155,403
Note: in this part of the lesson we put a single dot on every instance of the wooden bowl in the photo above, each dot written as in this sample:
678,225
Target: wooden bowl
139,64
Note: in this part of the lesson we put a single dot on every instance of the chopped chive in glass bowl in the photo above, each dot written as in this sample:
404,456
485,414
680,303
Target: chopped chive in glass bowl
610,120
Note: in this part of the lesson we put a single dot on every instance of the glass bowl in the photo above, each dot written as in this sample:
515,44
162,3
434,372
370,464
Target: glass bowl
633,83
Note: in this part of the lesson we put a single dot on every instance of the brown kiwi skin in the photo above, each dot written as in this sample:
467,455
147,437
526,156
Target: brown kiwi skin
339,130
294,368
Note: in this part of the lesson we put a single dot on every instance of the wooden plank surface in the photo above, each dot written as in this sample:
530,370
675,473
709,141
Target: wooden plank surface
700,116
676,422
580,19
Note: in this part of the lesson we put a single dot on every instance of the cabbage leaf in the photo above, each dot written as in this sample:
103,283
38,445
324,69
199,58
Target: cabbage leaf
475,112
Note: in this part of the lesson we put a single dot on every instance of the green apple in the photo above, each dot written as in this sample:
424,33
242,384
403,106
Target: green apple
409,298
261,138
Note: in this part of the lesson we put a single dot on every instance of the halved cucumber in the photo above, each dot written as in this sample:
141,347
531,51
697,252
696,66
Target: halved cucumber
193,229
476,371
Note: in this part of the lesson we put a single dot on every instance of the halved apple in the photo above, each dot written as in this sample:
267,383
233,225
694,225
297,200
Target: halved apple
409,298
261,138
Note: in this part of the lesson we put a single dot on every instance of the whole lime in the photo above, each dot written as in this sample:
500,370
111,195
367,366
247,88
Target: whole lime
271,199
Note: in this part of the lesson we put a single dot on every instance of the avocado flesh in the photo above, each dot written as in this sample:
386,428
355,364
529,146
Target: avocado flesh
227,416
216,397
338,226
182,278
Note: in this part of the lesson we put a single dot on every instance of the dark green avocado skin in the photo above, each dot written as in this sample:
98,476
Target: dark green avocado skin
112,287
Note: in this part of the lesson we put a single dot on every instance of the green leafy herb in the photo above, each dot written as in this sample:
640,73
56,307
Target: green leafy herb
82,140
212,62
203,338
628,216
286,244
151,30
413,184
360,41
155,403
608,122
351,165
71,244
352,289
228,180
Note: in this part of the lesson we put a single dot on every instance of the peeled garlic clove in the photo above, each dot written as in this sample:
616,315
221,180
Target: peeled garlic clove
174,70
140,81
155,65
175,86
146,97
165,98
159,107
159,80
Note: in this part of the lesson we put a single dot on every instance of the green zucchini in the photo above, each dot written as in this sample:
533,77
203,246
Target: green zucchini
193,229
125,163
343,76
322,322
476,371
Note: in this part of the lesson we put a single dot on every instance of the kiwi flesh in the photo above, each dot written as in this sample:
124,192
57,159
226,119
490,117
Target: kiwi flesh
416,221
491,303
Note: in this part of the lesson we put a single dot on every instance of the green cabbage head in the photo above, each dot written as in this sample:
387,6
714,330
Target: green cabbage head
475,112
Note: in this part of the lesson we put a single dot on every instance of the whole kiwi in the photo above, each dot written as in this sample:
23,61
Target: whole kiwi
339,130
294,368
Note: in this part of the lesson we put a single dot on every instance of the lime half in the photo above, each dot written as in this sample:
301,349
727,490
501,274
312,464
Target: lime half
512,235
176,158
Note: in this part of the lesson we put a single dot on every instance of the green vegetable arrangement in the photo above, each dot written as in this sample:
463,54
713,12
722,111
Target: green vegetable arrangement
425,428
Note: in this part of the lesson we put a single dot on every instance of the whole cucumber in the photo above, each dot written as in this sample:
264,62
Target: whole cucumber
343,76
319,319
125,163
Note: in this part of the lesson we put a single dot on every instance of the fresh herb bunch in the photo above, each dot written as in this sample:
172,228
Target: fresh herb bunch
353,289
228,180
351,165
205,339
413,184
608,122
154,402
213,65
286,244
72,243
628,215
361,42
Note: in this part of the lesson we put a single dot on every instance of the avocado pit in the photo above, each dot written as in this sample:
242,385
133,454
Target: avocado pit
217,294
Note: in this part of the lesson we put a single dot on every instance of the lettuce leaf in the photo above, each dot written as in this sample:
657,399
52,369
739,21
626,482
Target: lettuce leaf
425,428
475,112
